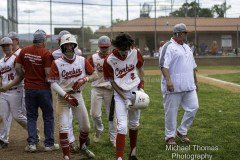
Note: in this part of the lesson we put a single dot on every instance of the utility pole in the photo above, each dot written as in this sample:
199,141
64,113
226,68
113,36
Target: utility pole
186,9
51,24
195,32
237,39
29,11
127,9
111,19
225,8
155,32
82,27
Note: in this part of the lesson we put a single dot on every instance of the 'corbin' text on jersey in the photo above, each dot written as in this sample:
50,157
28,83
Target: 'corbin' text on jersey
73,73
6,69
120,73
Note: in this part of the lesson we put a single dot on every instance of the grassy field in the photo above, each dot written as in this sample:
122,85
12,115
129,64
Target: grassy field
201,67
215,130
232,77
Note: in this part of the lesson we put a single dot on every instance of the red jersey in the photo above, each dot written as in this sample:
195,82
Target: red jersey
34,60
123,69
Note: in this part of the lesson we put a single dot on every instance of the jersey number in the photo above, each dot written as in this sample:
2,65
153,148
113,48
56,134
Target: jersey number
10,76
132,76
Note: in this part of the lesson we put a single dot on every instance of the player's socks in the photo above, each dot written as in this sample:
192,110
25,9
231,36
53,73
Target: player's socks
133,141
120,143
83,138
64,144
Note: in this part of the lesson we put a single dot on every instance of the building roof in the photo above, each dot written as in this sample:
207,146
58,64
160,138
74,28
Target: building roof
166,24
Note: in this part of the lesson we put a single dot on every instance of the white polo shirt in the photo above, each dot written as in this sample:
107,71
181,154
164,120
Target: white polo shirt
179,60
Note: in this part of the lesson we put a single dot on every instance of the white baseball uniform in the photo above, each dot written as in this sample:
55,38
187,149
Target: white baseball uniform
66,74
179,60
124,73
57,54
11,100
101,91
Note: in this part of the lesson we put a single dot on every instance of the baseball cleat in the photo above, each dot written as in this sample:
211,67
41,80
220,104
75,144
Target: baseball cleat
31,148
3,144
133,158
171,141
183,138
96,137
74,148
52,148
66,158
86,152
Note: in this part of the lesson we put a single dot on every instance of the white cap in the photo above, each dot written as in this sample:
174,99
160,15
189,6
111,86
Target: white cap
63,32
5,40
104,41
13,35
181,27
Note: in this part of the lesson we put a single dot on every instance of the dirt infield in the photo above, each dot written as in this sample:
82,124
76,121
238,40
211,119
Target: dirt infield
17,143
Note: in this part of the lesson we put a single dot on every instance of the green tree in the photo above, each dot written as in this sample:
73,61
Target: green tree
118,21
188,10
220,9
102,27
88,34
205,12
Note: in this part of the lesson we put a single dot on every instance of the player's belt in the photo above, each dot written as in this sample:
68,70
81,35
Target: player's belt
12,89
72,92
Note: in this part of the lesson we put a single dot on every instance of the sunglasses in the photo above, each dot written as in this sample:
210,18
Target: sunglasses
104,47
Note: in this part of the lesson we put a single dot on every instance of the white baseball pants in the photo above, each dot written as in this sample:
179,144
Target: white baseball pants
98,96
11,107
79,112
71,136
189,102
125,118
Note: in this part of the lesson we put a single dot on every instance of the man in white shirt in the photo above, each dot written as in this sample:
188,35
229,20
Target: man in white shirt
160,48
179,84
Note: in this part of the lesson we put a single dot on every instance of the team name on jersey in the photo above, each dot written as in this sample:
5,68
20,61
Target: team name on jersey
72,73
99,67
120,73
6,69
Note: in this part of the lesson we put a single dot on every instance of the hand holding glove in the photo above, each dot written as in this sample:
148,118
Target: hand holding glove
71,100
79,83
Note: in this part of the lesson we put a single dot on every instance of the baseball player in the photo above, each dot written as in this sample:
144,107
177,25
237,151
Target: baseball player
11,99
57,54
67,75
15,38
34,64
123,68
178,84
16,50
101,91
